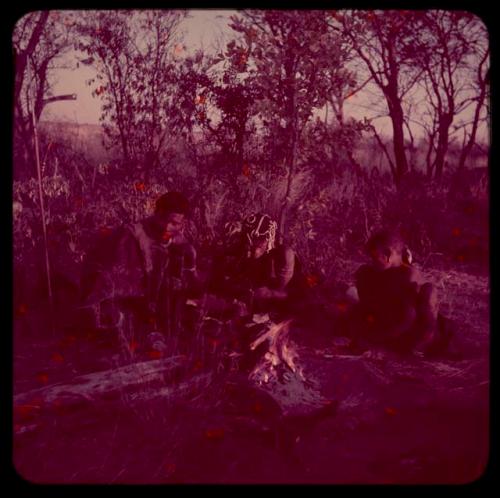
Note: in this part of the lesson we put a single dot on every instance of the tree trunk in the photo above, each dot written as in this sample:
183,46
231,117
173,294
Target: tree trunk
289,180
22,124
24,157
442,147
23,56
429,163
292,144
396,114
472,139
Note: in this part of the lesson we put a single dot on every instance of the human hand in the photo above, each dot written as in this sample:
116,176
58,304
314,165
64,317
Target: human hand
417,353
422,347
240,308
263,293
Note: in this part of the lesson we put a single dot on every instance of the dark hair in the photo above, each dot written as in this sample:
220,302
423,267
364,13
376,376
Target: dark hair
172,202
385,239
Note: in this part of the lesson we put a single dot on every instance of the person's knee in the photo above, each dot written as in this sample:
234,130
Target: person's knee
409,316
427,291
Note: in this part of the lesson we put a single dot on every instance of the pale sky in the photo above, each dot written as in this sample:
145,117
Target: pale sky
202,29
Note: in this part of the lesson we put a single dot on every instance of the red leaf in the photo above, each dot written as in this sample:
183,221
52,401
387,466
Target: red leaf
42,377
140,187
166,235
342,307
57,358
213,343
21,310
154,355
246,170
170,467
470,209
214,434
58,406
78,202
312,280
91,335
26,412
67,341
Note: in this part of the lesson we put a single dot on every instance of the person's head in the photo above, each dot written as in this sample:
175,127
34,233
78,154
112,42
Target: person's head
387,249
171,210
260,231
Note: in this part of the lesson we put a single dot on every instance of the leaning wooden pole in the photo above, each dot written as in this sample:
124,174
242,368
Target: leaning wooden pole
44,224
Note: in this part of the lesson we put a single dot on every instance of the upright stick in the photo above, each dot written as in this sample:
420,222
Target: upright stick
44,226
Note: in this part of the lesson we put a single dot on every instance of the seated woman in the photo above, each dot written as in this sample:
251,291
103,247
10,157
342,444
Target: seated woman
266,277
396,309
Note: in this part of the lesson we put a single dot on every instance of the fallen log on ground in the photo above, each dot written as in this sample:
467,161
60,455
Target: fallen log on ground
132,383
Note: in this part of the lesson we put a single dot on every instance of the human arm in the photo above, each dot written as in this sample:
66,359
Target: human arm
189,273
406,312
284,272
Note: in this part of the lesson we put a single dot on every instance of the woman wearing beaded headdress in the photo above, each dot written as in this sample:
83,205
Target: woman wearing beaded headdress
263,274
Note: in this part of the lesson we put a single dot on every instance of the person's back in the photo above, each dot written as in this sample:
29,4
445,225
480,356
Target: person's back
396,308
384,294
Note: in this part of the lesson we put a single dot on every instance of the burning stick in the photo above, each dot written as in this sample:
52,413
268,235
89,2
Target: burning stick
279,350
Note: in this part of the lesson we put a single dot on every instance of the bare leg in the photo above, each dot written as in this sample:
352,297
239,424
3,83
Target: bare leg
427,312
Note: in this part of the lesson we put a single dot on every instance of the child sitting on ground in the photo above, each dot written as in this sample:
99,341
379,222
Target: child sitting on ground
395,308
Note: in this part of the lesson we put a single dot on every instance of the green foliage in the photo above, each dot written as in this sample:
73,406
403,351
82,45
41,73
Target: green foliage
134,53
236,132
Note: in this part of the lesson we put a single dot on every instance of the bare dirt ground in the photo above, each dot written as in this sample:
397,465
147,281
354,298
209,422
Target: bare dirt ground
395,419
